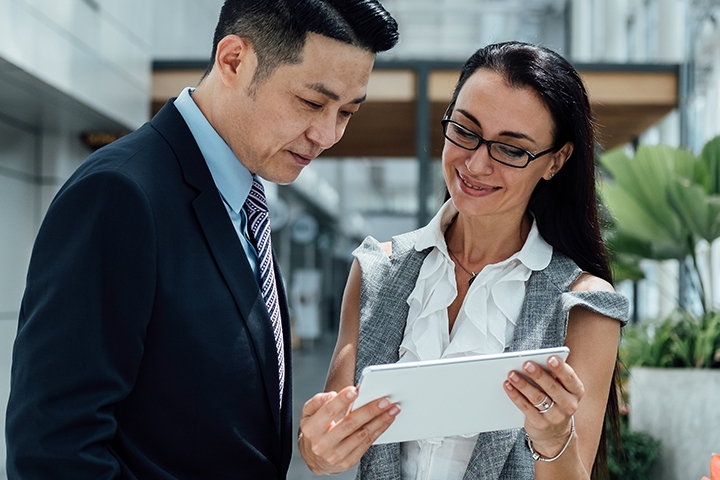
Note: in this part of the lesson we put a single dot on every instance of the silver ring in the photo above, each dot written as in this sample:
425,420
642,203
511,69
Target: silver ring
544,406
548,407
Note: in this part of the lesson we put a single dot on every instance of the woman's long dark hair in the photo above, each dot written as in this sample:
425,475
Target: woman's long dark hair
565,207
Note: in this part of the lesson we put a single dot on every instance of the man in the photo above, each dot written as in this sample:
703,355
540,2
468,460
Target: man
153,338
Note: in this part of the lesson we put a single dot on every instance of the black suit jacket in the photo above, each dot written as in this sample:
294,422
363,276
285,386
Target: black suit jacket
144,349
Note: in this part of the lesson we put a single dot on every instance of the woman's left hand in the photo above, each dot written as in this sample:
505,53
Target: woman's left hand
549,406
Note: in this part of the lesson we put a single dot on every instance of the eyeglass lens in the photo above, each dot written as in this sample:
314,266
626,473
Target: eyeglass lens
501,152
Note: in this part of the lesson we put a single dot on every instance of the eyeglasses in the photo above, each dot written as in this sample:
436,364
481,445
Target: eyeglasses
509,155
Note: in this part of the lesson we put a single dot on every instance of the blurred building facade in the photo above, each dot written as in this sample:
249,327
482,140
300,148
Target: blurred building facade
77,73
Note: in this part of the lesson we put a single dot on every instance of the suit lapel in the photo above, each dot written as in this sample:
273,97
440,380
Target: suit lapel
225,248
285,416
233,264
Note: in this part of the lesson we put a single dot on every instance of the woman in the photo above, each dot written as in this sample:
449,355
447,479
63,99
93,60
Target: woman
513,260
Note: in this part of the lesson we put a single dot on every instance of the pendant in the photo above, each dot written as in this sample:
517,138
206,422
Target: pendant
472,279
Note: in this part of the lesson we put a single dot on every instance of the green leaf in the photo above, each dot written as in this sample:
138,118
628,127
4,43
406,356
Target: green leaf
686,165
710,157
655,223
637,197
680,340
621,243
626,271
646,175
699,212
633,458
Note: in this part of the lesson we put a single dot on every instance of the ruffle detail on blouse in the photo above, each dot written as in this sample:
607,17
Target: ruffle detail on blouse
493,300
490,309
434,291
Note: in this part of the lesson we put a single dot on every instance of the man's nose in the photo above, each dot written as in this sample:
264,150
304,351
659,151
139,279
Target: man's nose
324,131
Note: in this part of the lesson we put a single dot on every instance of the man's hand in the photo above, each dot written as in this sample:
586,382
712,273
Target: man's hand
332,439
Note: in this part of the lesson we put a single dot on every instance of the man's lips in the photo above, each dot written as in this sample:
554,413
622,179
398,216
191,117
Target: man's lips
302,158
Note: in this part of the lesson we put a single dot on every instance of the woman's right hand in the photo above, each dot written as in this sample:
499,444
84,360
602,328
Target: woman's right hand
332,439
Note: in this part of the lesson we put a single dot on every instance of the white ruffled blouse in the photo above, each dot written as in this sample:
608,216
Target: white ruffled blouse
485,324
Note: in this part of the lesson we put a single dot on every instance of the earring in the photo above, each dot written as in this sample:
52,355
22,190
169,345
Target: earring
552,174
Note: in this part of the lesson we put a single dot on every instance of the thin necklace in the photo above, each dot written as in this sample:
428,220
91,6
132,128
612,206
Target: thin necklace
472,274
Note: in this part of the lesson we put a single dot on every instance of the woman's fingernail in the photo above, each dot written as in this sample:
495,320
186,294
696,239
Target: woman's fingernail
508,387
553,362
529,367
394,411
383,404
514,377
351,394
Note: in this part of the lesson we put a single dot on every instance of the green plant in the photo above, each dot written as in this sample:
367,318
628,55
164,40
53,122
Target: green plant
662,202
633,458
680,340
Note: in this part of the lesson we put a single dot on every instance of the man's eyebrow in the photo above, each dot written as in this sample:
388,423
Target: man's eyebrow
323,90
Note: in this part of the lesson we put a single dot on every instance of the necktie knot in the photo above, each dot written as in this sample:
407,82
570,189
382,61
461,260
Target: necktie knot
256,203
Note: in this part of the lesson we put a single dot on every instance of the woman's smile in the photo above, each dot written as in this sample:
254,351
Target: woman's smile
475,185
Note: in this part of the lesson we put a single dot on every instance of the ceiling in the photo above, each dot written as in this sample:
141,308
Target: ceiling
626,100
34,105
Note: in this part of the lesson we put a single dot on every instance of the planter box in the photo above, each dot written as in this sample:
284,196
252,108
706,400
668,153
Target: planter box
681,408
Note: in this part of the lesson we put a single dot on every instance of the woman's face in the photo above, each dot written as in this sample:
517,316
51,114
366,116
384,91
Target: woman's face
487,106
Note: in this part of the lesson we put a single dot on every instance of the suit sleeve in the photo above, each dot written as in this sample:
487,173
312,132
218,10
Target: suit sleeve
83,318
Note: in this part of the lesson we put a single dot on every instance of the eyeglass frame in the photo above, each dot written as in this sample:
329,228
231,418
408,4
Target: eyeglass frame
530,156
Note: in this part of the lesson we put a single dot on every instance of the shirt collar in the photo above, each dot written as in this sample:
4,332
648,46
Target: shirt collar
433,235
535,254
232,178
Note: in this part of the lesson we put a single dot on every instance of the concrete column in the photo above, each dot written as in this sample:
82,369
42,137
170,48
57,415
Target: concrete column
342,190
704,255
616,37
598,30
679,407
492,27
714,270
672,24
638,34
581,27
667,285
669,129
712,98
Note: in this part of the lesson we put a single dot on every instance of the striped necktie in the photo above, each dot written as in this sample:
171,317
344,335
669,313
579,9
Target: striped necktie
259,221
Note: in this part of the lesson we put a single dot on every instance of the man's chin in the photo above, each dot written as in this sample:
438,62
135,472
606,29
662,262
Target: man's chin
284,178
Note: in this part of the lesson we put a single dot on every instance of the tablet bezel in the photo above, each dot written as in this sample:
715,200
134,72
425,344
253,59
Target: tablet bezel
437,398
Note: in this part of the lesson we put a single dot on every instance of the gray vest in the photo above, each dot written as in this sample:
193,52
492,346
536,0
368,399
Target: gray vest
386,285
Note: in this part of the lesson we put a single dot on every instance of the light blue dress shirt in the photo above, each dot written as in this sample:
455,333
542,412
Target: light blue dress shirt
232,179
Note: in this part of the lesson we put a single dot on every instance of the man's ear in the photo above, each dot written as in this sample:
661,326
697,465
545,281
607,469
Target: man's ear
559,159
235,60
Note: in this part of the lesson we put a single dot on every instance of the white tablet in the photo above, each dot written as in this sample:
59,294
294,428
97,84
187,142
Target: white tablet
457,396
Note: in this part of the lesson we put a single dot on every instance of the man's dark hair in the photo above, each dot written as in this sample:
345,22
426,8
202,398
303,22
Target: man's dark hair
277,29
